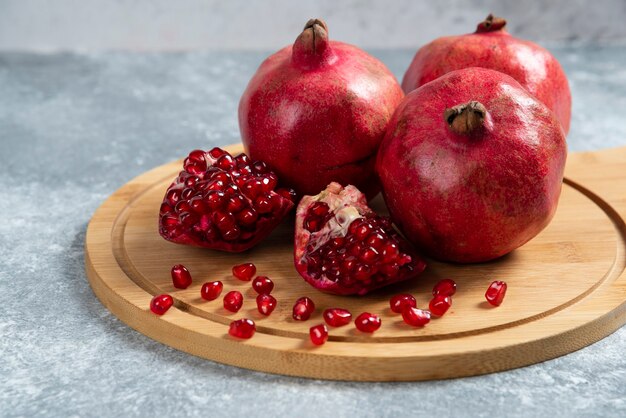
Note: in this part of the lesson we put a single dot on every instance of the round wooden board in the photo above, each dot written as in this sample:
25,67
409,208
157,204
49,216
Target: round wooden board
567,289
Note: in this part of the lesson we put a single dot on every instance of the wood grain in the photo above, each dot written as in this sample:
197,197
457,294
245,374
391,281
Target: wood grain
567,289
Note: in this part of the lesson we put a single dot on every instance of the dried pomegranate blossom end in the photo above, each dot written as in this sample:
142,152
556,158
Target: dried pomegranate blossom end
223,202
496,292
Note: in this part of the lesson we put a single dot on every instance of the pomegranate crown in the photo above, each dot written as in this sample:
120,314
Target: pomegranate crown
491,24
312,47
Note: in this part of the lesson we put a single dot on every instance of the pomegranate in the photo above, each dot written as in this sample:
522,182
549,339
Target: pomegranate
266,304
242,328
233,301
400,302
263,285
472,165
446,287
223,202
440,304
343,247
316,112
337,317
181,278
415,317
491,46
495,293
211,290
244,272
303,309
161,304
318,334
367,322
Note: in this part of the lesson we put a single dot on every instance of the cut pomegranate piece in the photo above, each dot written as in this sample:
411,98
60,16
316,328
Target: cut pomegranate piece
161,303
495,293
266,304
211,290
439,305
367,322
233,301
245,271
399,302
242,328
445,287
303,308
415,317
223,202
343,247
337,317
181,277
263,285
318,334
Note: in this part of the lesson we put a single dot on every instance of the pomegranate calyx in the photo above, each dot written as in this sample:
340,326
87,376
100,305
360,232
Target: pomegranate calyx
466,118
312,47
491,24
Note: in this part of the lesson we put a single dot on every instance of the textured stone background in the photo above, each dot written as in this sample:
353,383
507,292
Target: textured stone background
75,127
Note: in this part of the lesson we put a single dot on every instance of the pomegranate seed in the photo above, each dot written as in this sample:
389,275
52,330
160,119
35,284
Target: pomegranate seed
415,317
337,317
318,334
303,308
445,287
495,293
439,305
367,322
244,271
400,302
233,301
211,290
266,304
263,285
181,277
161,303
242,328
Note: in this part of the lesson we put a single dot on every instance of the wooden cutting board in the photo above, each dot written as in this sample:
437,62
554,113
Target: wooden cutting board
567,289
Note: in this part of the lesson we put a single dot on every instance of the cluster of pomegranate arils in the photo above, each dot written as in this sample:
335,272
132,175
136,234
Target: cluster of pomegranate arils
404,304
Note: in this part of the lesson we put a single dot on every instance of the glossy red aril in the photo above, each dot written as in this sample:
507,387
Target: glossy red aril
263,285
233,301
491,46
439,305
337,317
161,303
181,277
316,112
495,293
446,287
399,302
472,166
342,246
223,202
211,290
245,271
266,304
242,328
367,322
318,334
303,309
415,317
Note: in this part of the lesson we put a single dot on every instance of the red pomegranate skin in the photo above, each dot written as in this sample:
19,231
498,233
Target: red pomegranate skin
476,196
317,111
491,46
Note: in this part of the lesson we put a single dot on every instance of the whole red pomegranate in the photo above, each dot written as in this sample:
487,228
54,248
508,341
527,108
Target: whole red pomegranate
343,247
491,46
471,166
316,112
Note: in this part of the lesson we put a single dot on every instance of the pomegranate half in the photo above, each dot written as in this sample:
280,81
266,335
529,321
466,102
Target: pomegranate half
491,46
471,166
317,111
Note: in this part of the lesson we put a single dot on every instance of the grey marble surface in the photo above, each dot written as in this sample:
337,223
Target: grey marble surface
74,128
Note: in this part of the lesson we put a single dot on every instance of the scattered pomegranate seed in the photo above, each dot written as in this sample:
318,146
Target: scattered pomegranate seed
211,290
337,317
495,293
161,303
367,322
399,302
445,287
181,276
415,317
263,285
266,304
303,308
439,305
318,334
233,301
245,271
242,328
